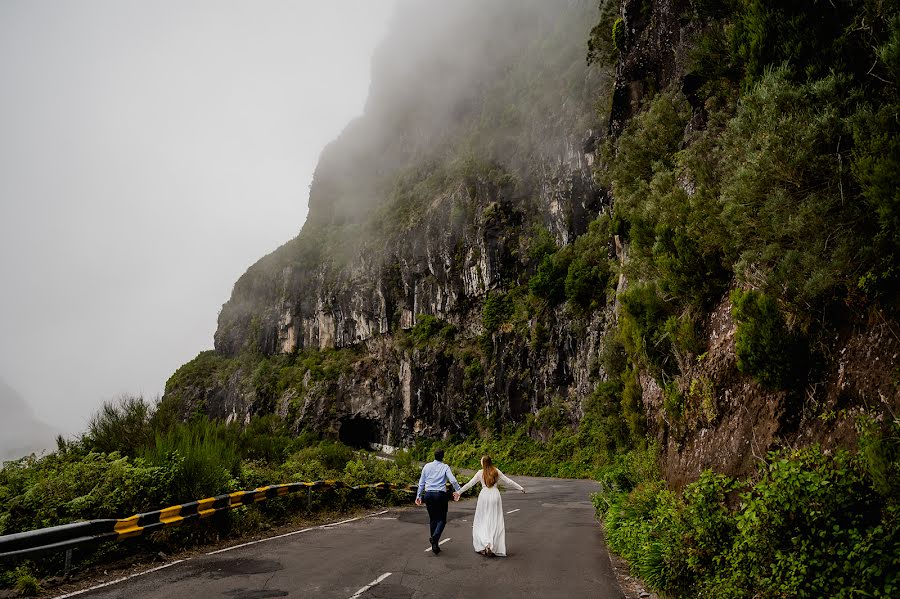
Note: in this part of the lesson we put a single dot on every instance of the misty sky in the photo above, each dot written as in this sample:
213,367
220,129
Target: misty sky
149,153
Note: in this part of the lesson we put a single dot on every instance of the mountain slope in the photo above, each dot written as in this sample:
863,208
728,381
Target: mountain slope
21,432
689,238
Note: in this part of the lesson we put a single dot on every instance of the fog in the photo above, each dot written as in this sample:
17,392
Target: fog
494,79
149,153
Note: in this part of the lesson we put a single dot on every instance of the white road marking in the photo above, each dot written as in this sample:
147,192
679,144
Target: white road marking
370,585
441,543
515,510
287,534
338,523
118,580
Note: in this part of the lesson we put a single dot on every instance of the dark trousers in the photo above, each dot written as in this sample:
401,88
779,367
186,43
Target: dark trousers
436,502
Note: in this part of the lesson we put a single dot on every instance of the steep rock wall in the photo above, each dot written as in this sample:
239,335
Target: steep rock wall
469,237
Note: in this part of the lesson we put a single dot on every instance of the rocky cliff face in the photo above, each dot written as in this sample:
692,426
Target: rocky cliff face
383,249
463,243
428,209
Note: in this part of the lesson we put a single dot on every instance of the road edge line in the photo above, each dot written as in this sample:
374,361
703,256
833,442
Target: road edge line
118,580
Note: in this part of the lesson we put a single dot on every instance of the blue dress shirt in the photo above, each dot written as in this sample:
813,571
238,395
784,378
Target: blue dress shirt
434,477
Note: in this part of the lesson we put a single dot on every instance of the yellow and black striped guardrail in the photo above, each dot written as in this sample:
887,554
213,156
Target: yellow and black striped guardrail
67,536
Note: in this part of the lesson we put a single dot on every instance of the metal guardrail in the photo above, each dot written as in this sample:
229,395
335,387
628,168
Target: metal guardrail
67,536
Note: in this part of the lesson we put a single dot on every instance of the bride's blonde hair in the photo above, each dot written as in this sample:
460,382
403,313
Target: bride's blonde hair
489,474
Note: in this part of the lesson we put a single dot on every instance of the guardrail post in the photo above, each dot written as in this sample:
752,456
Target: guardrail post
309,499
68,566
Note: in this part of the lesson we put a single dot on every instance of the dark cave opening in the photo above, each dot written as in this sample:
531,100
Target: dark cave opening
358,432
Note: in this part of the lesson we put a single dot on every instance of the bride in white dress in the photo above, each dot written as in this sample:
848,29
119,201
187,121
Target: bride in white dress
488,528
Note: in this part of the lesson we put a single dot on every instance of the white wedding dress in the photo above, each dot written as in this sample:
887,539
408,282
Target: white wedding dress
488,528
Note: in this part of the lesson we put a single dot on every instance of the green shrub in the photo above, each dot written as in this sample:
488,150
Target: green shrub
682,332
498,308
633,407
324,460
264,380
367,469
784,195
553,417
716,9
708,527
27,584
876,166
618,35
766,349
602,46
879,445
328,364
605,422
79,485
122,426
648,145
473,371
644,316
792,186
713,62
549,281
589,274
203,371
584,281
203,456
266,438
430,328
807,35
812,525
539,244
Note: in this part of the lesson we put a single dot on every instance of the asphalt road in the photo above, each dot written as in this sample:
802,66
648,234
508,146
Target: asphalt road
554,546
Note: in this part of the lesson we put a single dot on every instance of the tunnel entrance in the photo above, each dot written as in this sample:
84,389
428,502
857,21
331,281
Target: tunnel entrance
358,432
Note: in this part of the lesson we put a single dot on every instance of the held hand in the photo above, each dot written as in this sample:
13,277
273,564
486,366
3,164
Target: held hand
418,501
456,496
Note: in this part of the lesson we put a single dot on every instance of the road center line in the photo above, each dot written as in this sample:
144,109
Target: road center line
441,543
515,510
118,580
370,585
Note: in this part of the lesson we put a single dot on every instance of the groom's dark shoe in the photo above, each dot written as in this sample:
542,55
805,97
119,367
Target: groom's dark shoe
435,548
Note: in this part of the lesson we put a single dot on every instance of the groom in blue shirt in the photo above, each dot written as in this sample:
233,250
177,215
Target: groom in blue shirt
433,483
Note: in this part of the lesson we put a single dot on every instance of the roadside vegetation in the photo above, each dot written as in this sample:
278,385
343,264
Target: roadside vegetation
809,523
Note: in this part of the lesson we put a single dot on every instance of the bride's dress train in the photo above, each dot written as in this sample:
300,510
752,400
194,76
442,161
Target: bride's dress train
488,528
